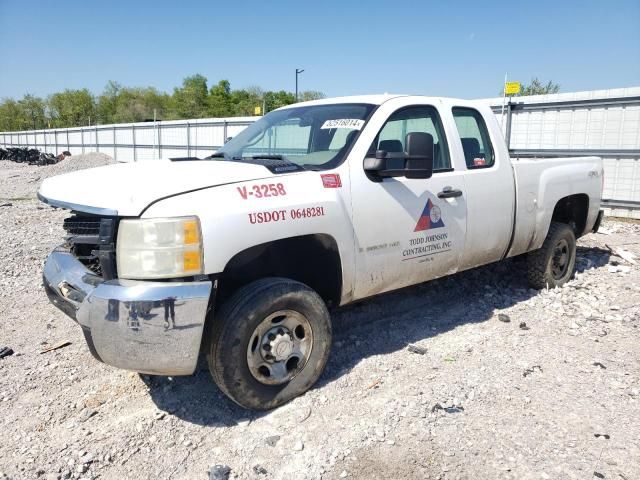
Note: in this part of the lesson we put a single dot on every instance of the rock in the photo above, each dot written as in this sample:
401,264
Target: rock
86,414
160,415
272,440
298,446
523,326
243,422
503,317
260,470
416,349
529,371
344,474
454,409
219,472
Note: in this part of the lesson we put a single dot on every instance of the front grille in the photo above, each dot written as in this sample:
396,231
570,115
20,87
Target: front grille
91,239
81,225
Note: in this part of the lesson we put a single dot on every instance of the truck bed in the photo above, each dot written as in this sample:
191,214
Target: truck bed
540,183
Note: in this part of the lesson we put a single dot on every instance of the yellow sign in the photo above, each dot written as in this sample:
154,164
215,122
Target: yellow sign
512,88
257,111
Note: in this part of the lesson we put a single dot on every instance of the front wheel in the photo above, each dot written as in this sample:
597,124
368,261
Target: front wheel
270,343
553,264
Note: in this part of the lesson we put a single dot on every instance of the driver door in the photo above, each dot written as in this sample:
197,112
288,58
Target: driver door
407,231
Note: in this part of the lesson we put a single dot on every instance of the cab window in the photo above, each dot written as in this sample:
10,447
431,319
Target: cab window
478,152
423,119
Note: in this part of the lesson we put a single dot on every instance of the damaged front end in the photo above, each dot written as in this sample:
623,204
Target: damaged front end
147,326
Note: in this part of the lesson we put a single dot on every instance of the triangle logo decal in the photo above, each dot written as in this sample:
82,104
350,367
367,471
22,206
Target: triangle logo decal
431,218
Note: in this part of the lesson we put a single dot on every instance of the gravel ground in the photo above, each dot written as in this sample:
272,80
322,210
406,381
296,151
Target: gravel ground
486,398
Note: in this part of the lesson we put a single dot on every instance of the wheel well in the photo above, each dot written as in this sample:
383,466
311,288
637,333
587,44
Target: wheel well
573,211
311,259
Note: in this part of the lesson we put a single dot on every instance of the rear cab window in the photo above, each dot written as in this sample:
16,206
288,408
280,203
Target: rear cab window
476,144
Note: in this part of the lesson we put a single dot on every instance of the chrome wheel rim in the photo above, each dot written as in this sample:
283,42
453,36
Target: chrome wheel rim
560,260
279,347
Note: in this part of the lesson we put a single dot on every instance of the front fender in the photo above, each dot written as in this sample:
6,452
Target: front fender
239,216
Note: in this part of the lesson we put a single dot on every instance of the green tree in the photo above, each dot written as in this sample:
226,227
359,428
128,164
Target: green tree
190,100
278,99
72,108
536,87
310,95
118,104
33,112
220,102
11,116
139,104
107,102
245,101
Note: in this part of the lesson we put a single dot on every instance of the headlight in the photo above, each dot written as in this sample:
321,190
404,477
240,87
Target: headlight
159,248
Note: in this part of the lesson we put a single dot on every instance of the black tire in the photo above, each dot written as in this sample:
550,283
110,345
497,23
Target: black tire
234,326
545,268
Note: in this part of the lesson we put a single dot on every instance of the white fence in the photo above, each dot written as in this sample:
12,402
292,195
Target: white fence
605,123
135,141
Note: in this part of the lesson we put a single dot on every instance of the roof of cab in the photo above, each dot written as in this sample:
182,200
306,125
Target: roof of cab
370,99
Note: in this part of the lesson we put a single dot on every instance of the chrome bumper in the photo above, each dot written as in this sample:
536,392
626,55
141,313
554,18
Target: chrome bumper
148,327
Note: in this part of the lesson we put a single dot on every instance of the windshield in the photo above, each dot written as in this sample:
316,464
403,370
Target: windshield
314,137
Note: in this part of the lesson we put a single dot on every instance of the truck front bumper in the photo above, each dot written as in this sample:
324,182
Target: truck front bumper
148,327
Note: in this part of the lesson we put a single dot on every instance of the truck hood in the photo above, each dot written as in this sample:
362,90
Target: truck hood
126,189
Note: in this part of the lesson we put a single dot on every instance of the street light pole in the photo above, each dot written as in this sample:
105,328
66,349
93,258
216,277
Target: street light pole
298,72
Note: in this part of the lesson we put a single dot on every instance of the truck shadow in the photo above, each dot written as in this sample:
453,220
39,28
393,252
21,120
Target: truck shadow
376,326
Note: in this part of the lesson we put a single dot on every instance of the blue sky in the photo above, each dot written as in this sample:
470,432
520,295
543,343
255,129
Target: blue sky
452,48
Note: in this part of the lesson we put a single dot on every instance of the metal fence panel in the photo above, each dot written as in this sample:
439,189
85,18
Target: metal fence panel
145,136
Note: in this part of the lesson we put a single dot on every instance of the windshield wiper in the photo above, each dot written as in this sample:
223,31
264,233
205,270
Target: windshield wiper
268,157
216,155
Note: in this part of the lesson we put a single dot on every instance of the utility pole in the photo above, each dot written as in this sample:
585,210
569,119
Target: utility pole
298,72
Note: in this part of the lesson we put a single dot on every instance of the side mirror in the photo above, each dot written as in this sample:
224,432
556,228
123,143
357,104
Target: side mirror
419,155
417,160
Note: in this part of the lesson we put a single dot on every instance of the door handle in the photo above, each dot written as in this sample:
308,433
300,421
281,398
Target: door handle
448,192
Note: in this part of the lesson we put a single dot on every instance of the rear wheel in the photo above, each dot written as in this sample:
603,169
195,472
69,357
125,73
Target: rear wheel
270,343
553,264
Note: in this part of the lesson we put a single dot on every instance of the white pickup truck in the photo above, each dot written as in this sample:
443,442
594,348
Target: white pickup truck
318,204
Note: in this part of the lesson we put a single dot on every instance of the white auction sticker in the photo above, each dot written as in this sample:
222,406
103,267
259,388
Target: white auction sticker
352,123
